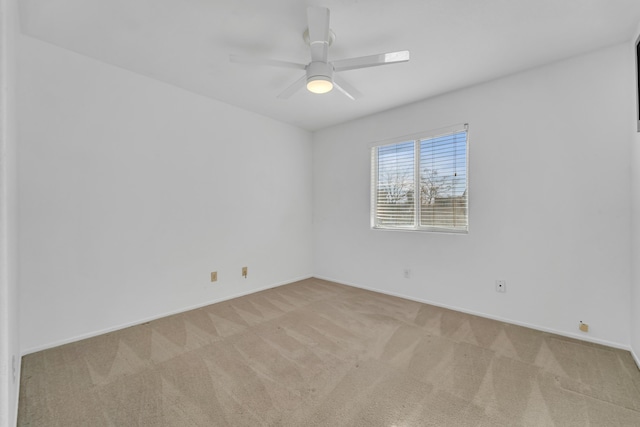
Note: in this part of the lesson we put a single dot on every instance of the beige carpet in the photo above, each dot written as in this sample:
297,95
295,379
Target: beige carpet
315,353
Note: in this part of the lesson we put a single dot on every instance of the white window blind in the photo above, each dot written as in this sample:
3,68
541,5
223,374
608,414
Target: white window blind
421,183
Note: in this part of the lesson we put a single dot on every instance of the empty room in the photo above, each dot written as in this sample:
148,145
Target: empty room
305,213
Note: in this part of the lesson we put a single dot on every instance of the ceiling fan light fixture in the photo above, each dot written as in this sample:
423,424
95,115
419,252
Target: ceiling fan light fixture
319,77
319,84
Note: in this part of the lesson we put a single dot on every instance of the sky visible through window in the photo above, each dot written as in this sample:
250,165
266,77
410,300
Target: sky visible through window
444,156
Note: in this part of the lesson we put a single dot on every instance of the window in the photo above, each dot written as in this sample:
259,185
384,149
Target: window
420,183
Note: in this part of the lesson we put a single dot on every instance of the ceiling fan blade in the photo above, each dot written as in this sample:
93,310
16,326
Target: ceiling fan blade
371,60
297,85
263,61
318,21
346,88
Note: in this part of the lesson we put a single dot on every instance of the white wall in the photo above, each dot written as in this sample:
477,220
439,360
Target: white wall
9,330
133,191
635,227
549,201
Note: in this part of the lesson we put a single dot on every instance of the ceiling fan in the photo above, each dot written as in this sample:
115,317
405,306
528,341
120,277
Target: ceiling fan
320,76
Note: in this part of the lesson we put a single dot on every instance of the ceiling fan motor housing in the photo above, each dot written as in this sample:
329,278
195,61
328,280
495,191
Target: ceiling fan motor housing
317,70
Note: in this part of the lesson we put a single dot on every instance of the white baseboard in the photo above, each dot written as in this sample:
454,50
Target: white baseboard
488,316
424,301
17,391
635,357
155,317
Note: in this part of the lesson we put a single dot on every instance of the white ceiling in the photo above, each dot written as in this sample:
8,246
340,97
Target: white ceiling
453,44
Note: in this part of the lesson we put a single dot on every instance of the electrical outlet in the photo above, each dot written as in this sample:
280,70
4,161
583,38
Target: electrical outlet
501,286
407,273
583,327
214,276
244,272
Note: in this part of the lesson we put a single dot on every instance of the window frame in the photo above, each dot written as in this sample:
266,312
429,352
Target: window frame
416,139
